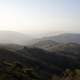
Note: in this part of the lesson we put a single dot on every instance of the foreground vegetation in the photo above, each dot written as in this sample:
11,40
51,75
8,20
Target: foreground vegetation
16,71
37,64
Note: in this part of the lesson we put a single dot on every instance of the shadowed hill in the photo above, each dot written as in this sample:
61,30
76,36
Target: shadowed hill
43,63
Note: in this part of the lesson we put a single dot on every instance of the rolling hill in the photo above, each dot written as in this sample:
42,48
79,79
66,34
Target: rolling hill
53,42
44,44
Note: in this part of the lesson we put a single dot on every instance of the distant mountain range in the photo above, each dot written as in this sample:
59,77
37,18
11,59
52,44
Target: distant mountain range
65,38
11,37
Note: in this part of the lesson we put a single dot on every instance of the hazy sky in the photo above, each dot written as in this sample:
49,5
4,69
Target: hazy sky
39,16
